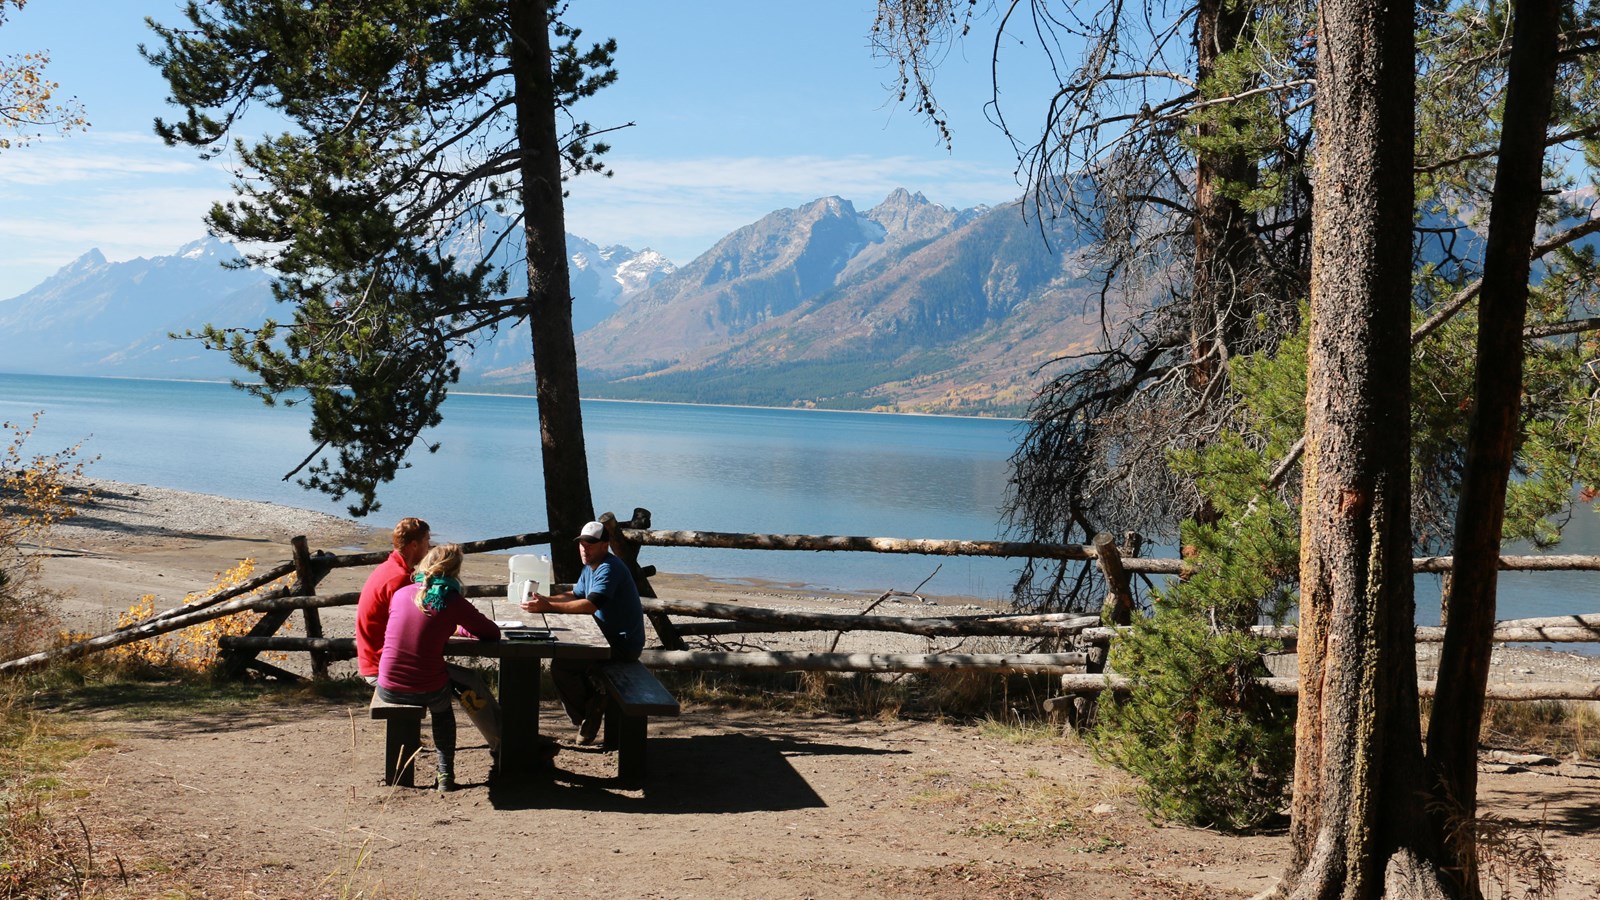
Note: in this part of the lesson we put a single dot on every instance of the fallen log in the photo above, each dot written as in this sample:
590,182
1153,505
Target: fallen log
259,580
1585,620
335,648
146,629
930,626
487,545
777,661
715,629
1542,563
275,600
1578,629
1289,687
795,661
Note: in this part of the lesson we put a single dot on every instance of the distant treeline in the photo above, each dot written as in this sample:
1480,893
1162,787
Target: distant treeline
844,384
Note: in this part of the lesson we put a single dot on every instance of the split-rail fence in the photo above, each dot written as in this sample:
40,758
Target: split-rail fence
1081,667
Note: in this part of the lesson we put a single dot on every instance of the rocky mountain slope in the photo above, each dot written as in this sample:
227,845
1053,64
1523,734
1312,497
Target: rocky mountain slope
908,306
96,317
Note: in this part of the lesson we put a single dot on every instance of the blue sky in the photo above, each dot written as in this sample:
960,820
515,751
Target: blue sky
740,107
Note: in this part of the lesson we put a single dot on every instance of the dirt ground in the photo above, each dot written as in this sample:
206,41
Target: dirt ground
282,797
286,801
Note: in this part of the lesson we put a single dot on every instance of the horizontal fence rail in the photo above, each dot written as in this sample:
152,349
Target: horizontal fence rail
1018,549
1289,687
956,626
728,618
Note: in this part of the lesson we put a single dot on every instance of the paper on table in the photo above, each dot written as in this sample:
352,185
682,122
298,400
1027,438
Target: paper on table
508,623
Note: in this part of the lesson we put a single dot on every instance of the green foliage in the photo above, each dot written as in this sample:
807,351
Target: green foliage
1238,119
1210,745
407,146
1560,441
36,492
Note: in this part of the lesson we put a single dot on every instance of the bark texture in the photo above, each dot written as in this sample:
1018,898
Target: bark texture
1223,228
1493,431
1359,830
568,503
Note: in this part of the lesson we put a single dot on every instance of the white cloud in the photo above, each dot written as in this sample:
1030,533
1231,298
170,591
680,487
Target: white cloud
126,194
92,157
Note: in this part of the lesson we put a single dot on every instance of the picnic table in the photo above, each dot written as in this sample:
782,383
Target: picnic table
576,637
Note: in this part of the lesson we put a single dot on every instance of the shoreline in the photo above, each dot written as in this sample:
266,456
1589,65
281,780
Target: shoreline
471,393
136,539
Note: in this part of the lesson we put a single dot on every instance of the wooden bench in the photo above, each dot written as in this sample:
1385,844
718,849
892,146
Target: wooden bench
633,694
402,738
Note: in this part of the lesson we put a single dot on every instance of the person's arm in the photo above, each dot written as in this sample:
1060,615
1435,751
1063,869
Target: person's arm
475,623
567,603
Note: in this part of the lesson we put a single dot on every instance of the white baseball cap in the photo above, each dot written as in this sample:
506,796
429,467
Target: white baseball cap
593,531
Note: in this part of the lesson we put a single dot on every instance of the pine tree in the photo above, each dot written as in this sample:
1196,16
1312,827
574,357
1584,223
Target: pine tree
407,123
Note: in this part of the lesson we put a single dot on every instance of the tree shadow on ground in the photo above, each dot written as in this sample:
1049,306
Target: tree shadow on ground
722,773
1570,811
181,708
87,520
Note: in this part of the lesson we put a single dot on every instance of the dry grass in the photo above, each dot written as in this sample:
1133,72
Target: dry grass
1035,810
1560,728
959,696
42,852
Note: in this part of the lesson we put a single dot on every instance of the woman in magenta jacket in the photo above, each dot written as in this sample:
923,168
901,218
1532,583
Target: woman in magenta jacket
422,616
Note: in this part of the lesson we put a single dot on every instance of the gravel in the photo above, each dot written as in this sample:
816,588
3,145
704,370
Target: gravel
120,514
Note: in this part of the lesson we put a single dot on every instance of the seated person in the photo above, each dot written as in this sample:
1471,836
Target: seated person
607,591
422,616
411,541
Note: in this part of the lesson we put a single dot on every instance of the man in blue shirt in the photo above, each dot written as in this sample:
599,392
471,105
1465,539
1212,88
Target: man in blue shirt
607,591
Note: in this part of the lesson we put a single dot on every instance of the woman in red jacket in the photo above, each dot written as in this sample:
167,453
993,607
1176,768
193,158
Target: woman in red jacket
422,616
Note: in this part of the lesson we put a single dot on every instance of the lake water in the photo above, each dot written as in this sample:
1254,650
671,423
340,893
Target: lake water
695,467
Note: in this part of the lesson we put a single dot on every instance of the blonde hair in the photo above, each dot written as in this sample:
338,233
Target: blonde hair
443,560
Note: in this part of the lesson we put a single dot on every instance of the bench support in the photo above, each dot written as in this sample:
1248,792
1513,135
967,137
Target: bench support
626,735
633,694
402,738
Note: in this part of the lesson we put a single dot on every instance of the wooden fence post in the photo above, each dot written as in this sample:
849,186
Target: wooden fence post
307,573
309,570
629,551
1118,608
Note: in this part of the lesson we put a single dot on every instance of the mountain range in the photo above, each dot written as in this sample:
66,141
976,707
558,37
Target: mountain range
908,306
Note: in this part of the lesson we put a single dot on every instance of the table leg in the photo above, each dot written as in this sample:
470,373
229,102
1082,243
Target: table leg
519,705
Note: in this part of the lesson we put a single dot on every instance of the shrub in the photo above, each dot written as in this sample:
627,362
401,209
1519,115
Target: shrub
194,648
1211,745
34,495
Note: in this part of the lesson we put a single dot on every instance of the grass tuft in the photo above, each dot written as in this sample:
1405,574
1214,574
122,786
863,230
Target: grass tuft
1552,727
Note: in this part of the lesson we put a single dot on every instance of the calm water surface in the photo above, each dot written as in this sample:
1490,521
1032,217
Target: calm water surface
694,467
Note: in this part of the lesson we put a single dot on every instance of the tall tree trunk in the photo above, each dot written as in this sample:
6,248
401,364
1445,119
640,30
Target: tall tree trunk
1359,829
555,360
1222,227
1492,433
